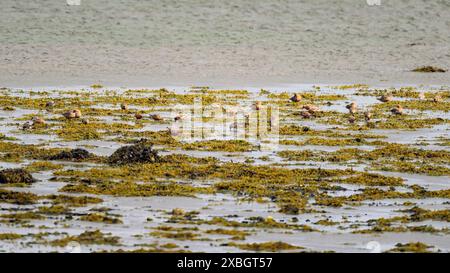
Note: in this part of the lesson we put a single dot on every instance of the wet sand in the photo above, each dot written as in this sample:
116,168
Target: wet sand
222,43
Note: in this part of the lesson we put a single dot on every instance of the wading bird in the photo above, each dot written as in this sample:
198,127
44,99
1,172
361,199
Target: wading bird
437,98
71,114
367,116
352,107
296,98
258,105
178,117
50,104
398,110
385,98
156,117
305,114
37,120
311,108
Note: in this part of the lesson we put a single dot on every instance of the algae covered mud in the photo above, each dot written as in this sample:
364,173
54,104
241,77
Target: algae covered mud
348,169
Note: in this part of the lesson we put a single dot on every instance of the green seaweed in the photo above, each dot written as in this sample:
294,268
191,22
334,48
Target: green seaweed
95,237
411,247
100,218
266,246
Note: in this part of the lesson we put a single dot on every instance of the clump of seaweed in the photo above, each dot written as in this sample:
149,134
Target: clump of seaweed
74,201
389,157
419,214
100,218
10,176
220,145
178,212
43,166
20,198
87,238
372,179
54,209
21,216
74,154
378,194
266,247
17,151
10,236
235,233
179,235
326,222
156,138
429,69
142,152
411,247
421,105
181,215
135,189
169,245
75,132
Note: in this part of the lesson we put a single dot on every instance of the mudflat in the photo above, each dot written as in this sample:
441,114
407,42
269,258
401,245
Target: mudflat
222,43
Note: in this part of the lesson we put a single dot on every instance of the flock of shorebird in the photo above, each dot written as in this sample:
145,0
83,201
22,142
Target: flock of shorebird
76,114
307,111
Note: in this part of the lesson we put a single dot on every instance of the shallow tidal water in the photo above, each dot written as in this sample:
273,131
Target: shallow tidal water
253,218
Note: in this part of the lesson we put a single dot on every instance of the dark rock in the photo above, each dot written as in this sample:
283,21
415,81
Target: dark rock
75,154
8,176
141,152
